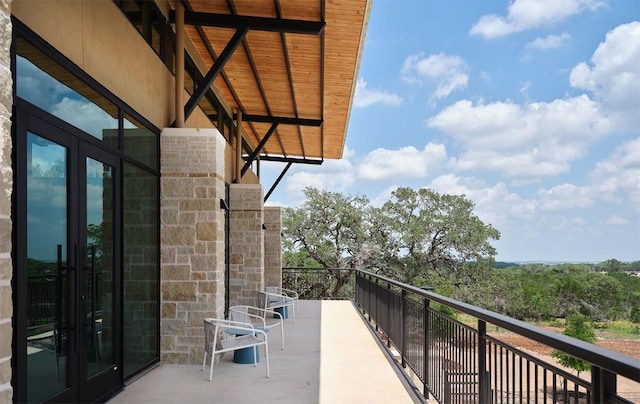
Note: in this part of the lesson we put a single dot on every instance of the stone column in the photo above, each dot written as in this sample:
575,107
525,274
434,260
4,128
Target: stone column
6,185
247,243
273,246
192,239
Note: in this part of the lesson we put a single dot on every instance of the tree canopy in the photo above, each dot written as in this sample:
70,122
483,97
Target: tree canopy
417,233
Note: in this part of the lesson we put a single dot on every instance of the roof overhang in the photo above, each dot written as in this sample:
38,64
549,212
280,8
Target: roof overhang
289,67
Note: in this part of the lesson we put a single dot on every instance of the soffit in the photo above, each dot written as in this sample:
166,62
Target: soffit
298,76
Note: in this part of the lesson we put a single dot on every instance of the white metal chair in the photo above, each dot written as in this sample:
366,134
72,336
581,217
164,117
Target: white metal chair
285,292
239,336
275,301
260,318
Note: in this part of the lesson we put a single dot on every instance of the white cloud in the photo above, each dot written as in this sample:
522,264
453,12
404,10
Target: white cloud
613,75
523,142
405,162
447,72
564,197
365,96
493,204
616,220
617,178
529,14
336,175
549,42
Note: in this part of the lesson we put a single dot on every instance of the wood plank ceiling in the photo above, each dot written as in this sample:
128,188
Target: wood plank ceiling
308,78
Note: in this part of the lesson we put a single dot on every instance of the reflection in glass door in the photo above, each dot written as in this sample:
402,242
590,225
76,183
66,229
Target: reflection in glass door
97,297
67,316
47,269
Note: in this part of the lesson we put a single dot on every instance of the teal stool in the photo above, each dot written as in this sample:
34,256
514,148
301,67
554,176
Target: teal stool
284,312
245,355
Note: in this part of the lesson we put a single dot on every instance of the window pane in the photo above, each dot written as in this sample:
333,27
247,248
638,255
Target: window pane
140,143
46,84
140,266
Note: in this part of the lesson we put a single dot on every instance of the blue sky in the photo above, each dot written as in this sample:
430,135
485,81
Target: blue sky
530,108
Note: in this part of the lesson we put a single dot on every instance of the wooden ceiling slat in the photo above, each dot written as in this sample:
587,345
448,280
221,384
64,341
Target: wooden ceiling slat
343,39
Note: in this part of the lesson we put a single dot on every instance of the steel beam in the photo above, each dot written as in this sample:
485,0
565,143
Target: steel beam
208,80
258,149
257,23
275,184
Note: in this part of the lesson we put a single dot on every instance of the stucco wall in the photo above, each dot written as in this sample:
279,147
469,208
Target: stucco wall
6,181
128,68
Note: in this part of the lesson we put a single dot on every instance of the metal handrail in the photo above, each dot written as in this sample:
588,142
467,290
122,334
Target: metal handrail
384,299
613,361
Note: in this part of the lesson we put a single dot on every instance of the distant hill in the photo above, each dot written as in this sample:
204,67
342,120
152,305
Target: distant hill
502,265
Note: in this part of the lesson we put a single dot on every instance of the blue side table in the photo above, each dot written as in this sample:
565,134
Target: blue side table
244,355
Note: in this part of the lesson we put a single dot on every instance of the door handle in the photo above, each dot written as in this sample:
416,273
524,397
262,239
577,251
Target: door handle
94,293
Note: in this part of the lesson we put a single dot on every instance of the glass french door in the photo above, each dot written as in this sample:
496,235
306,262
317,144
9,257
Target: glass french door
67,228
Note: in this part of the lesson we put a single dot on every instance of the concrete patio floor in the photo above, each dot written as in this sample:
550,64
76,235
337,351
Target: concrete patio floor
330,356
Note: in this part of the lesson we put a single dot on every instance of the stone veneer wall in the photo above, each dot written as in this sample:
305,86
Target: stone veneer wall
273,246
246,240
6,185
192,239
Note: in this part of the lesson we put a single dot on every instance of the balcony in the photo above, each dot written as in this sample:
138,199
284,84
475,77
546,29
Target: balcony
330,356
343,351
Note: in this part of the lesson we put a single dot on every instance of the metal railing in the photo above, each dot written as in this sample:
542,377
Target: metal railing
460,362
320,283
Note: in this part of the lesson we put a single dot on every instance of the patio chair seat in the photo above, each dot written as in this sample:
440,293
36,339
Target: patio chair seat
260,318
239,336
274,301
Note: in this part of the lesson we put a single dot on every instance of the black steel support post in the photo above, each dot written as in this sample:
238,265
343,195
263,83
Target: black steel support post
389,328
403,331
604,385
426,349
483,376
375,314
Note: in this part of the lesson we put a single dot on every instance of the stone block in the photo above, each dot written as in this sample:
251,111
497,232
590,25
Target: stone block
5,373
5,235
176,272
176,358
177,188
6,393
167,343
178,235
202,262
6,269
179,291
6,305
173,327
6,335
208,287
206,231
168,255
196,205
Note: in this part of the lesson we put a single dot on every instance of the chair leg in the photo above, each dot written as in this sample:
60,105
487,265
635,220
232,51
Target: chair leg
211,371
282,333
255,356
266,357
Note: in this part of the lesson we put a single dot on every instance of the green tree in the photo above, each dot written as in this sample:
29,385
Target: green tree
577,327
424,234
329,229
